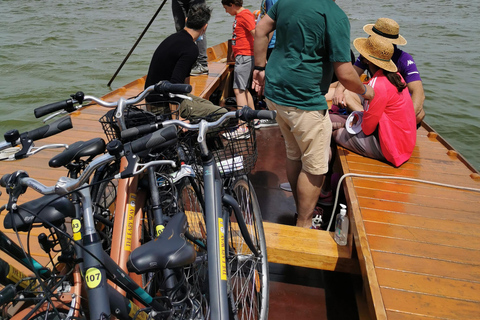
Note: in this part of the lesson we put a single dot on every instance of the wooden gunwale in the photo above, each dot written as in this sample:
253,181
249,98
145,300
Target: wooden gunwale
417,245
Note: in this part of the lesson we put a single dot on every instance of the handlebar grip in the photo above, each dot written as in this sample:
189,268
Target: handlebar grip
52,107
247,114
168,87
51,129
4,180
266,114
130,133
154,139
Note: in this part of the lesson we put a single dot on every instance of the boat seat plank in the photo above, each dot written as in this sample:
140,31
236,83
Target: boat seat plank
422,189
431,285
414,223
400,230
416,210
418,245
423,265
459,203
435,307
307,248
419,249
395,315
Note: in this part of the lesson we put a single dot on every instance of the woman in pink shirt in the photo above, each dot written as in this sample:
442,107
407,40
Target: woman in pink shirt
388,125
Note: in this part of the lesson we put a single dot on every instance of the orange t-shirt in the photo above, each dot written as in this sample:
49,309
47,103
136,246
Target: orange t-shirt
242,40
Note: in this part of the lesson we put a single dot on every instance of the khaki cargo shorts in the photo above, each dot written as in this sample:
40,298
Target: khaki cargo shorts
307,136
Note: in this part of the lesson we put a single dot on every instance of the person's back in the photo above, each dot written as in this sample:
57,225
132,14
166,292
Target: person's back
393,114
388,127
301,52
172,59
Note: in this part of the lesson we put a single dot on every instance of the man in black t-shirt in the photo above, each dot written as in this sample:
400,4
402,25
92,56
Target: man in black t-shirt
173,60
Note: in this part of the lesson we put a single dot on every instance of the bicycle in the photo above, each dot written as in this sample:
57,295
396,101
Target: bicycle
255,281
223,307
25,296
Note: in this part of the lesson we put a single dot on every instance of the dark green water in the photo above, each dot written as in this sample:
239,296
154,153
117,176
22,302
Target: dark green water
51,49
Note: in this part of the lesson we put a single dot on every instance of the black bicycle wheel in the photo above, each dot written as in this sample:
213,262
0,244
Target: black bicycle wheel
104,195
190,201
249,288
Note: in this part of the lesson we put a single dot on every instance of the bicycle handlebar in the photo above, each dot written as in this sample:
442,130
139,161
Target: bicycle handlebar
13,138
175,88
163,87
65,185
245,114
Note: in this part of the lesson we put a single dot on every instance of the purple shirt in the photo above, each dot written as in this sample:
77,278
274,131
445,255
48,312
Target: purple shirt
405,64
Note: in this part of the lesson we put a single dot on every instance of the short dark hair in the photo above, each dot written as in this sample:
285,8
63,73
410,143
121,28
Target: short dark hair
238,3
198,16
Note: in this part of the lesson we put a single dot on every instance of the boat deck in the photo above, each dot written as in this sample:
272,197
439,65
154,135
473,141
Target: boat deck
415,245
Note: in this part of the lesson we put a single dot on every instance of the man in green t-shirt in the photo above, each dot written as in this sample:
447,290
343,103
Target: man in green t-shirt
313,41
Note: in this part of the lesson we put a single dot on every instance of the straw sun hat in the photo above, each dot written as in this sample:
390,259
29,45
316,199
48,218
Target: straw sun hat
386,28
377,50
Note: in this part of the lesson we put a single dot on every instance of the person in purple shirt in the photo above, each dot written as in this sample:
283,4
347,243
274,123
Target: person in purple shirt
388,29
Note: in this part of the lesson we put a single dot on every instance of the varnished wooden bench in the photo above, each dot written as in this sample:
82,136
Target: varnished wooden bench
308,248
417,244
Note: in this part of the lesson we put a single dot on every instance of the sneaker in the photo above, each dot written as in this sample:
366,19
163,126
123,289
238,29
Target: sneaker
263,123
317,218
198,70
326,199
240,133
286,186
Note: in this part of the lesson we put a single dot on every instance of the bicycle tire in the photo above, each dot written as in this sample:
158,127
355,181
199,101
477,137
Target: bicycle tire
190,201
248,275
104,195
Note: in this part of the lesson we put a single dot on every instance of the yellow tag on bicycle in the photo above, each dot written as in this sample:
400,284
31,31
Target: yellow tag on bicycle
93,277
159,229
76,227
130,216
221,234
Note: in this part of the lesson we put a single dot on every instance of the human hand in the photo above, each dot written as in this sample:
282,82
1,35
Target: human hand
258,81
339,98
370,94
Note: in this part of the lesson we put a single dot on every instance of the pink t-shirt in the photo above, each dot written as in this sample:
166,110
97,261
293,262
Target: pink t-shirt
242,39
394,114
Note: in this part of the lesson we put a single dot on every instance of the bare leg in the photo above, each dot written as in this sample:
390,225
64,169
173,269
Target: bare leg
244,98
308,191
293,171
353,101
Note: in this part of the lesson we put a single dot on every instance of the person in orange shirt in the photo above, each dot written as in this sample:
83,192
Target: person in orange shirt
242,50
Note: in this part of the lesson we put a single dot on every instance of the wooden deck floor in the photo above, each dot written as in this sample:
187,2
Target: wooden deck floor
417,245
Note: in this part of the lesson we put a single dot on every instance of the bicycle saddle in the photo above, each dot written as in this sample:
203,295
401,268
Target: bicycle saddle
53,210
170,250
78,150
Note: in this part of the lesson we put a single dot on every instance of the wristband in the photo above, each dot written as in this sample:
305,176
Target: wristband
364,91
259,68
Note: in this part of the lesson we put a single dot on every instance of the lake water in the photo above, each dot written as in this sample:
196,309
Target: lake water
51,49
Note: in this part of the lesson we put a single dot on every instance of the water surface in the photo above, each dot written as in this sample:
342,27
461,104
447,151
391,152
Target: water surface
51,49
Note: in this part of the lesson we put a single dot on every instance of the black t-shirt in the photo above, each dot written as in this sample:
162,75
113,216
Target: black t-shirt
172,61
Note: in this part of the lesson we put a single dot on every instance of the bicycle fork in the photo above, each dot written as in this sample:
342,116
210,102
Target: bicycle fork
216,240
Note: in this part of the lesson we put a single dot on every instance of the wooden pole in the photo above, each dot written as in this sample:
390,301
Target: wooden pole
136,43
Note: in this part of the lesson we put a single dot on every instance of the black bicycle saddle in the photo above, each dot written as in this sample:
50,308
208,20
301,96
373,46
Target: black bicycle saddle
78,150
170,250
53,210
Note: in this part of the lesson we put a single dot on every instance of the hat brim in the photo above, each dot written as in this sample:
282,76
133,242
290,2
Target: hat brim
387,65
400,41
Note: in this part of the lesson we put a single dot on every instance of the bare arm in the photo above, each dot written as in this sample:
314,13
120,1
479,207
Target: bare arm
349,78
418,97
260,45
339,94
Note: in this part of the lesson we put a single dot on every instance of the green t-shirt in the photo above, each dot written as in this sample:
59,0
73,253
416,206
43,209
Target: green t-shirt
311,35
